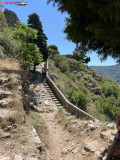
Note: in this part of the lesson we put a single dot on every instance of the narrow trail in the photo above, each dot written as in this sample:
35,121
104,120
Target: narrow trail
62,145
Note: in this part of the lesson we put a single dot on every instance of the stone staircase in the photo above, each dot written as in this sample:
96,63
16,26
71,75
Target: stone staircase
53,96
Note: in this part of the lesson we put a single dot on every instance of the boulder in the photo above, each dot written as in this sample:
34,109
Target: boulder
63,152
11,17
111,126
7,128
5,135
91,146
106,135
91,127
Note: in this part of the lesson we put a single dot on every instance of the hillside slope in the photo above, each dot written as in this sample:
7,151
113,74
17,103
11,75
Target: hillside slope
113,72
83,87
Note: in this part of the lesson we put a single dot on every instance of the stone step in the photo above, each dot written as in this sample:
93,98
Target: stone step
55,99
47,87
58,104
51,94
49,90
4,94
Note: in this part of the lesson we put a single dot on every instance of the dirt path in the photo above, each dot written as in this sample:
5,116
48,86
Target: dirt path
62,145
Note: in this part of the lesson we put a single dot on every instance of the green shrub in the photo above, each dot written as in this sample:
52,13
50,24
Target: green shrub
58,85
1,54
110,88
72,76
109,106
58,58
94,74
79,98
64,66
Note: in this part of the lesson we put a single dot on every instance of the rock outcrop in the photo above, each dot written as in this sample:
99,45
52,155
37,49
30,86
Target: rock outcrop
11,17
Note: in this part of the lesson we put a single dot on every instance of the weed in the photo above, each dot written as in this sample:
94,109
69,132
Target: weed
10,78
63,119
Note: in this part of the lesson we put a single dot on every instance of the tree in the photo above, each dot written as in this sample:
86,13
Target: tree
52,50
3,22
80,54
93,23
9,44
41,41
29,53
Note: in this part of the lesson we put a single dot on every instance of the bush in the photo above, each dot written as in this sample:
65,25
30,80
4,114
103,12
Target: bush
2,56
58,58
58,85
108,106
110,88
64,66
79,98
60,62
72,76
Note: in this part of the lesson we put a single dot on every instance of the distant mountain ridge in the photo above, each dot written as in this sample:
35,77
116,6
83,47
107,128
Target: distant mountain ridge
113,72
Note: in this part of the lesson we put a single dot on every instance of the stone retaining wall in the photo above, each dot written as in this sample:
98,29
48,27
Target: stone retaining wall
69,106
20,72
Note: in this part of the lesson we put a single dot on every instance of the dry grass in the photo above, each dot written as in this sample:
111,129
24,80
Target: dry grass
12,82
63,119
39,124
9,63
15,118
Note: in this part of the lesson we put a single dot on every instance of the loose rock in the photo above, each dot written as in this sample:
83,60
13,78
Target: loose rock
5,135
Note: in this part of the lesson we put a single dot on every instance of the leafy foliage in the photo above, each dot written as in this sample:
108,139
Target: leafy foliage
93,24
60,62
10,46
79,98
3,22
110,88
64,66
41,40
80,54
52,50
109,103
109,106
29,52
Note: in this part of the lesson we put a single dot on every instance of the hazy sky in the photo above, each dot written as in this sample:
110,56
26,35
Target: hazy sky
53,24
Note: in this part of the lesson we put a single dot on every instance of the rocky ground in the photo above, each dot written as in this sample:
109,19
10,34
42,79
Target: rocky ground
81,139
18,139
69,138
